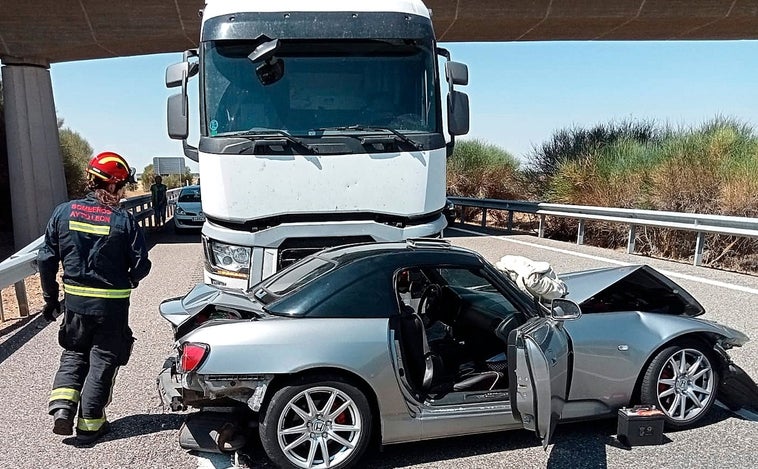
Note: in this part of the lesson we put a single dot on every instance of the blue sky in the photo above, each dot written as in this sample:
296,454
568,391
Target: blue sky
520,92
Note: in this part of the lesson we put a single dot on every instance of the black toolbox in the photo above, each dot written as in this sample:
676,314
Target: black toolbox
640,425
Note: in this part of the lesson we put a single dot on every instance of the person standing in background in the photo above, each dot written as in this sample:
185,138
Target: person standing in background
158,193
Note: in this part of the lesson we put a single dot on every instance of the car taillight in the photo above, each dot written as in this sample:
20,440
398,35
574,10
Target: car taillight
193,355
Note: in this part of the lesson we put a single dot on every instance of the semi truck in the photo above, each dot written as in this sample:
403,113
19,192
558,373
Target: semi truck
321,124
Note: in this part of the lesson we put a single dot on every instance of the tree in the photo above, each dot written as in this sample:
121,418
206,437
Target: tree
147,177
76,153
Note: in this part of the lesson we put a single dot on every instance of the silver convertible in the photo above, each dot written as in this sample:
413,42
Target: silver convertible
400,342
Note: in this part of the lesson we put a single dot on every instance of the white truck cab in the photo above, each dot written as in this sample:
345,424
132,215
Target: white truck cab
320,124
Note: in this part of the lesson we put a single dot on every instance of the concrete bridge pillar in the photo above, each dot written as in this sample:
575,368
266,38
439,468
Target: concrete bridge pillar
35,166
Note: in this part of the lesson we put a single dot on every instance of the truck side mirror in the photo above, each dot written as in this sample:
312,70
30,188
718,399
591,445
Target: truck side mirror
456,73
457,113
176,73
177,116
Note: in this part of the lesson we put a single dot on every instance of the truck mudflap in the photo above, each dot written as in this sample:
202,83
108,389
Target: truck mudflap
737,390
169,387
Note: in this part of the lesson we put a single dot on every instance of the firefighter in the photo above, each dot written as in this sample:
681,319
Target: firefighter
104,256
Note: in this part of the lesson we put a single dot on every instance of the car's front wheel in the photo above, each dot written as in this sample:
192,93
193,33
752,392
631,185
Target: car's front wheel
320,422
681,381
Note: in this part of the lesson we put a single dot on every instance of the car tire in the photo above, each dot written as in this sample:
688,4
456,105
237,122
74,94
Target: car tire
296,413
178,230
681,380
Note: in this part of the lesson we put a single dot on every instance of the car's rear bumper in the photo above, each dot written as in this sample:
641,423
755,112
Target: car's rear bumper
170,387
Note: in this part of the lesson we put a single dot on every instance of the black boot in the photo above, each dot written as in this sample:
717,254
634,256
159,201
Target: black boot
63,422
85,436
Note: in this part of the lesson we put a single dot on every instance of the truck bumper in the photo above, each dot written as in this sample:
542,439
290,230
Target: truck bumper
265,243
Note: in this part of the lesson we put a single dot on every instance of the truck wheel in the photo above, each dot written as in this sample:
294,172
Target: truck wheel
318,423
681,381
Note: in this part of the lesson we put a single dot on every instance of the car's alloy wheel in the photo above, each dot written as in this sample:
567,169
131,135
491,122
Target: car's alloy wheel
682,382
316,425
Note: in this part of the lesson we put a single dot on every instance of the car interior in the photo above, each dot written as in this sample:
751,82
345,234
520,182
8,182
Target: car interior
452,331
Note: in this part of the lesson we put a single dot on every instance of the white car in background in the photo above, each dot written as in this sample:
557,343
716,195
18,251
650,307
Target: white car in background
189,212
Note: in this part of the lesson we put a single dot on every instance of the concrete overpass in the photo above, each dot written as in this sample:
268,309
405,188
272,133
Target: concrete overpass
35,34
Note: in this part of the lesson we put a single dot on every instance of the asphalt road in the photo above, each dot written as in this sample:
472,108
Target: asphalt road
144,436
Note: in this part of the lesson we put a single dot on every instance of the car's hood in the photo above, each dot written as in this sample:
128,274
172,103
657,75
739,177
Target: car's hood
178,311
193,207
629,288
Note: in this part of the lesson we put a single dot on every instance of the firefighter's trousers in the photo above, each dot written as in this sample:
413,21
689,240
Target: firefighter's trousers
95,346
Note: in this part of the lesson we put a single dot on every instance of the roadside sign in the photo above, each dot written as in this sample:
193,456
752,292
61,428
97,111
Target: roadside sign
167,165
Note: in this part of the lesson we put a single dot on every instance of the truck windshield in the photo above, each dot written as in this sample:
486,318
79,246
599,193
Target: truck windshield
322,84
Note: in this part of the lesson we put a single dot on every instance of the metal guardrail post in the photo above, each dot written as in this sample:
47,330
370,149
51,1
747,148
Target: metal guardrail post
2,313
509,228
699,247
484,217
632,239
23,303
541,229
580,233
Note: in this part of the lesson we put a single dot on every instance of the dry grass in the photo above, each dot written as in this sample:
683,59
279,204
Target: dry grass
707,170
10,305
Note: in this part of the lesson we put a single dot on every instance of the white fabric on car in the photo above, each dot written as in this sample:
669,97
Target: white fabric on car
534,277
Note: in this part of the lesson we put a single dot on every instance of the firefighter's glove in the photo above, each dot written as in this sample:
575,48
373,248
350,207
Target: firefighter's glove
51,306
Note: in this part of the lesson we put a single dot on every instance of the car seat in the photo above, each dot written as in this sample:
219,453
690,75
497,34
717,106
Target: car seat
425,370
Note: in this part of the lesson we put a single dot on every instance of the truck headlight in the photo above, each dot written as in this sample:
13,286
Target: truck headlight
229,260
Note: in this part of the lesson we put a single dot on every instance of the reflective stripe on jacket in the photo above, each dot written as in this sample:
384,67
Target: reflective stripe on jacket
103,253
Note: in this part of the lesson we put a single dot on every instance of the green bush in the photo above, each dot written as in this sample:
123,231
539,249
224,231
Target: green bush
710,169
76,153
571,145
480,169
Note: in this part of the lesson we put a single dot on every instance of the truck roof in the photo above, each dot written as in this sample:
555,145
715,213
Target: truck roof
215,8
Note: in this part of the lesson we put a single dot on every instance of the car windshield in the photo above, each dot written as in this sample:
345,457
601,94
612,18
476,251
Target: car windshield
307,86
190,195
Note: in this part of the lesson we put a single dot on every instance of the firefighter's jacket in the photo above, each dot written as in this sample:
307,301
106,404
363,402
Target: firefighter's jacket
103,253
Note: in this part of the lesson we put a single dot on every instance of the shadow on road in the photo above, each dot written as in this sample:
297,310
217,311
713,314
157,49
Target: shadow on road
136,425
25,330
454,231
575,445
166,235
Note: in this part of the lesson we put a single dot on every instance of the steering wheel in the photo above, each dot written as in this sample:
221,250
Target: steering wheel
428,304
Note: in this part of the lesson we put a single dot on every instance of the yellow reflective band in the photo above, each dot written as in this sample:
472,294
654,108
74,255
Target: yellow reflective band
67,394
89,228
96,292
108,159
90,425
94,173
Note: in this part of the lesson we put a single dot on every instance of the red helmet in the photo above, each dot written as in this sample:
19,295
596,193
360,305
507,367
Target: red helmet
111,168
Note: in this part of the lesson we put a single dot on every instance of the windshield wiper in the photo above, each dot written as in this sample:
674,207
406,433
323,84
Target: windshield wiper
269,138
372,128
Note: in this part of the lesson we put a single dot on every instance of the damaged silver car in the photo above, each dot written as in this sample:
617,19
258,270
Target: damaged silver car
399,342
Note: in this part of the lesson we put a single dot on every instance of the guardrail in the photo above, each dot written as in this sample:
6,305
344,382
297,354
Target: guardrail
23,263
698,223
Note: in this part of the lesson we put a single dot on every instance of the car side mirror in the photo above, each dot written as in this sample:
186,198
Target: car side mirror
562,309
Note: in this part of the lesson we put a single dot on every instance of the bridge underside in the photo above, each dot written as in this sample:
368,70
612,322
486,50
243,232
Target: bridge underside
46,31
34,34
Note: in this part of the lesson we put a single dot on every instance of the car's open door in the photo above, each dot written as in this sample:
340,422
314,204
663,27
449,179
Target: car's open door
538,355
